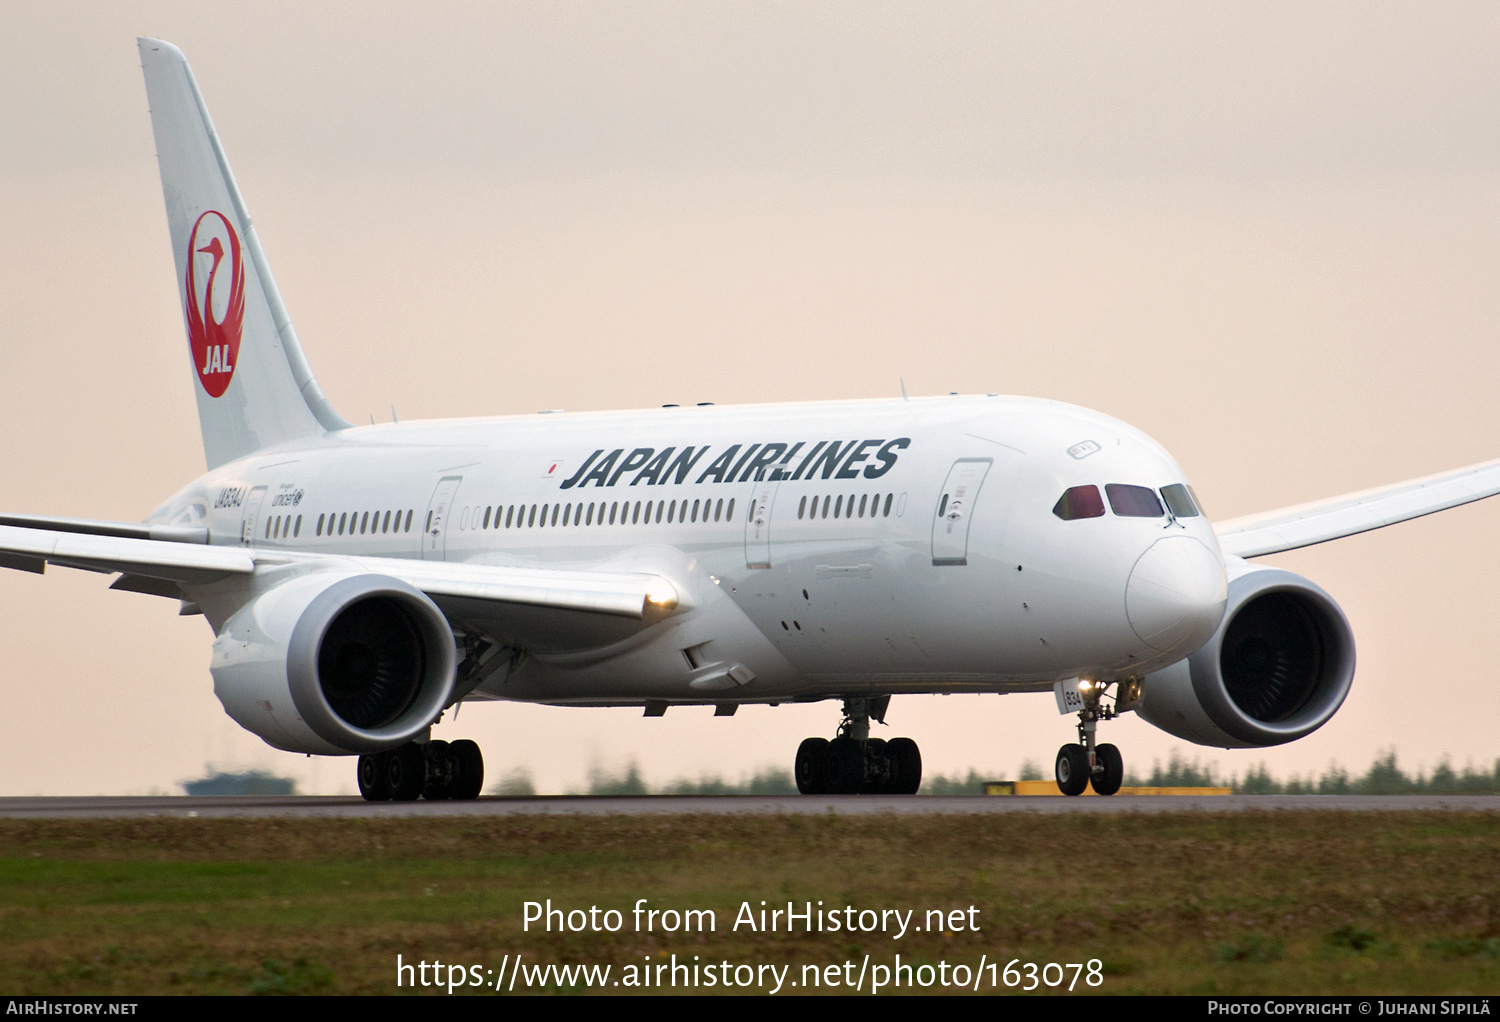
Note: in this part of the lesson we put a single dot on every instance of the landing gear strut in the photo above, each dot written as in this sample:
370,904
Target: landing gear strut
856,764
432,770
1084,763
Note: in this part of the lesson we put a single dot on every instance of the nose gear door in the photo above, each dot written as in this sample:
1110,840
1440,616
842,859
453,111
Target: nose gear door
955,510
434,547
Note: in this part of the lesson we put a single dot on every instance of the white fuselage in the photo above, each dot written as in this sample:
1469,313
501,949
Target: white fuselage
842,574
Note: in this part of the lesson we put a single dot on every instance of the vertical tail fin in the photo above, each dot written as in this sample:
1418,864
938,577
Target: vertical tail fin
253,384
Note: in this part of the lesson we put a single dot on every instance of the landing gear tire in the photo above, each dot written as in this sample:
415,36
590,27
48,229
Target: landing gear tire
1072,769
439,771
1108,779
467,779
812,755
406,772
906,766
374,779
844,766
877,769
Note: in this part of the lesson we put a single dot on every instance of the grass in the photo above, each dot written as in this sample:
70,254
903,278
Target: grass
1291,902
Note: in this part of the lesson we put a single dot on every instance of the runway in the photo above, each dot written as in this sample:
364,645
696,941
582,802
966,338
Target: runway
337,806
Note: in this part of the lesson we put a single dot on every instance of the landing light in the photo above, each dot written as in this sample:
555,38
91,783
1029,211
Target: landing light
660,593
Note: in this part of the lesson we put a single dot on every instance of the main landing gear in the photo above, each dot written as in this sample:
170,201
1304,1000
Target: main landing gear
1085,763
856,764
432,770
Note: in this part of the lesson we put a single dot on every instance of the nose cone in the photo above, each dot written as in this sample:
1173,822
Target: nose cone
1176,594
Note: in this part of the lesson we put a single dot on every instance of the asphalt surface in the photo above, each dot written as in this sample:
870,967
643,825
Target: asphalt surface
101,807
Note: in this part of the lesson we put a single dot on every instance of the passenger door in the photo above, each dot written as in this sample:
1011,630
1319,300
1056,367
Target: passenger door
251,519
758,523
434,546
955,510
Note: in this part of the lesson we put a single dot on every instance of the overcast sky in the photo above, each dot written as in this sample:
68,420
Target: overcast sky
1241,91
1266,234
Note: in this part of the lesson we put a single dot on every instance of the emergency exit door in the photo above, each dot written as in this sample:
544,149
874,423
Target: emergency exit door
955,511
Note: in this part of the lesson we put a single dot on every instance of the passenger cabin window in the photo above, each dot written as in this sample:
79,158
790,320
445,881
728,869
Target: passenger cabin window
1179,501
1079,502
1133,501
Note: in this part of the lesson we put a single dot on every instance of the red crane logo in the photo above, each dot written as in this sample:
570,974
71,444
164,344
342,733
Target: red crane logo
216,309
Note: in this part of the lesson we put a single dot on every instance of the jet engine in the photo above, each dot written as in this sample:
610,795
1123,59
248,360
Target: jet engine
1277,669
335,664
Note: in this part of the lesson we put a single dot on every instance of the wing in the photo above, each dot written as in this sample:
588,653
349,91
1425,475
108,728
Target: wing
1307,524
154,565
189,563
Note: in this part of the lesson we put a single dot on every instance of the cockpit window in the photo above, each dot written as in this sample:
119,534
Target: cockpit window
1133,501
1079,502
1179,501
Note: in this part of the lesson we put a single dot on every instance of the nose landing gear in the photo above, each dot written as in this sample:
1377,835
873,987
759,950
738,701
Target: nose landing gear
853,763
1085,762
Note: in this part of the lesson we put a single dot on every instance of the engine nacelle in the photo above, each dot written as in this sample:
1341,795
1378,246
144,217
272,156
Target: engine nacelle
1277,669
335,664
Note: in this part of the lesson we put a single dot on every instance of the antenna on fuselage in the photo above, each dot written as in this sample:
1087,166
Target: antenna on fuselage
904,396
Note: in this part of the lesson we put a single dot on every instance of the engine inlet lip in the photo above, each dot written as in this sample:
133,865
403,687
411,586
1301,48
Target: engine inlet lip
1328,692
305,644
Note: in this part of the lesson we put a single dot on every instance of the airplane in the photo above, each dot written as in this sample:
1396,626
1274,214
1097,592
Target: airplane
362,581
